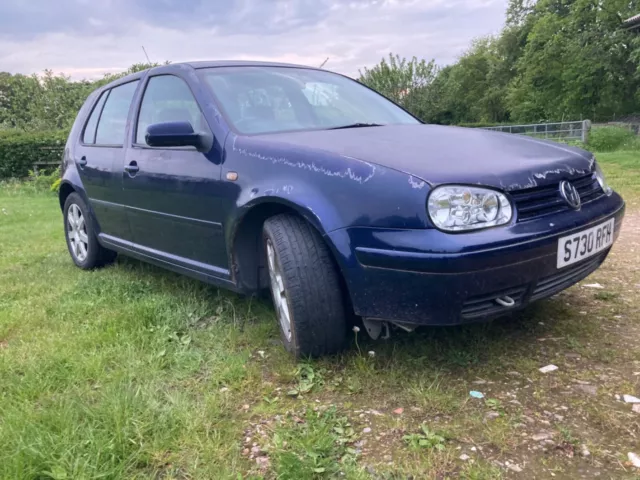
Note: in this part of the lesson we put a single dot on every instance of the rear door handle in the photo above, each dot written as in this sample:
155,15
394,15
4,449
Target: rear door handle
82,162
132,168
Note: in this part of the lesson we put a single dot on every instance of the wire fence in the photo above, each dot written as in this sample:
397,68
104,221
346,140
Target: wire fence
578,130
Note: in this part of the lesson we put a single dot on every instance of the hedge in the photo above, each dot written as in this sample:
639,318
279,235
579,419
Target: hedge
20,150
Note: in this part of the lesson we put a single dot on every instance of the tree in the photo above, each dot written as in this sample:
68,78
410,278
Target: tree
519,11
406,82
554,60
577,62
473,89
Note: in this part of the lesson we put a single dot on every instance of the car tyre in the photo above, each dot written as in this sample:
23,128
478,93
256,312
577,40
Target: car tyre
305,288
80,235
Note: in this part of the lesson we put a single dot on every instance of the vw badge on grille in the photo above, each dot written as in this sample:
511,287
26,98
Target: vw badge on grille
570,194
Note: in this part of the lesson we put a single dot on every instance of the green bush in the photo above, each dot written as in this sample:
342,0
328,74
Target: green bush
19,151
45,180
611,138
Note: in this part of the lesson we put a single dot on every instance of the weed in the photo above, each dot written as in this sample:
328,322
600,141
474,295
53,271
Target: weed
41,180
606,296
315,446
425,439
307,379
568,437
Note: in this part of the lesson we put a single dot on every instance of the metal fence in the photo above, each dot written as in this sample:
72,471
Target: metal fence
578,130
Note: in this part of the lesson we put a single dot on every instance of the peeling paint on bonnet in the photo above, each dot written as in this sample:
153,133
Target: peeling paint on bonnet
416,182
558,171
359,175
432,154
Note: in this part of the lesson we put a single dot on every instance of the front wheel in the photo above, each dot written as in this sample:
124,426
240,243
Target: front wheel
305,287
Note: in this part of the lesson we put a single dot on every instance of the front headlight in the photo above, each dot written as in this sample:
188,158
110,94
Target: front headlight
457,208
603,181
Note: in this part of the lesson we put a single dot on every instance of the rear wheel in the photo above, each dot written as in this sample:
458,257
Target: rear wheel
305,287
82,243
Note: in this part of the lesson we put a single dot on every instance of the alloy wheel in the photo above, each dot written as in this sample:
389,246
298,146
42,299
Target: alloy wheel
278,292
77,233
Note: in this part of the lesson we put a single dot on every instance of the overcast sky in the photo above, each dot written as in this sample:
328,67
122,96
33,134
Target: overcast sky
87,38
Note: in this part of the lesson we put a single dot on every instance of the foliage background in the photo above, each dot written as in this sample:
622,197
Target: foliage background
36,114
20,150
554,60
47,102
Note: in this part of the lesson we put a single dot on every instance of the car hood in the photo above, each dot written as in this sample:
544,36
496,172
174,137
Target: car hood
439,154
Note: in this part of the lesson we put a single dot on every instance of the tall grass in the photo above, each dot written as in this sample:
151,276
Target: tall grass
611,139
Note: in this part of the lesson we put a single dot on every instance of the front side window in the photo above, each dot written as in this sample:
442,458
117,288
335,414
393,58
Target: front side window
89,134
277,99
168,98
113,121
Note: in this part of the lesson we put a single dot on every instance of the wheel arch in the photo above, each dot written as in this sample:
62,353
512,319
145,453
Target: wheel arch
66,189
247,252
71,183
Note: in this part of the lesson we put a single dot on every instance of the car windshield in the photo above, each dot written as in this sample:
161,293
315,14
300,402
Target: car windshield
264,99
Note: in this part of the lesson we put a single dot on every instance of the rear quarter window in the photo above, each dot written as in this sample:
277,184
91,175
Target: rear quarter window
89,133
113,120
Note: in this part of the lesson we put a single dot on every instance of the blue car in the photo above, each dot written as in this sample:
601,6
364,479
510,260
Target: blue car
255,175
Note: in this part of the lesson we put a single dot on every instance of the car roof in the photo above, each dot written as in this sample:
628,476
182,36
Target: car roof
202,64
242,63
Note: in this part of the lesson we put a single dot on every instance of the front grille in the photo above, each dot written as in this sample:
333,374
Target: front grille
566,277
539,201
483,305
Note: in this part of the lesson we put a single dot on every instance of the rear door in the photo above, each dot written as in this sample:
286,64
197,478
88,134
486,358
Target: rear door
99,157
173,194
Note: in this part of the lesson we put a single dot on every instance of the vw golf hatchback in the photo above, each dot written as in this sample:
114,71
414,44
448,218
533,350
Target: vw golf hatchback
255,175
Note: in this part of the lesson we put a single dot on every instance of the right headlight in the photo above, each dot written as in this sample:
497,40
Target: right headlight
603,181
457,208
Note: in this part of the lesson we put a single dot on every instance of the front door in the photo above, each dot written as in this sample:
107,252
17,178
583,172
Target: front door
172,193
100,155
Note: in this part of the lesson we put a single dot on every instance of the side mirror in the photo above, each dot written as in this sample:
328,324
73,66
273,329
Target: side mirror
177,134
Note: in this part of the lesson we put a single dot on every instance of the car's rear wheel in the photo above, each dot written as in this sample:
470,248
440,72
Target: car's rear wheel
82,243
305,287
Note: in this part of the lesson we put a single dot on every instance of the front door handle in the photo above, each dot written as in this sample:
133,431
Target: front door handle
132,168
82,162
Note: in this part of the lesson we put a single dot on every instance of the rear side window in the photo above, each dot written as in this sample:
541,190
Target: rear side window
113,120
168,98
89,135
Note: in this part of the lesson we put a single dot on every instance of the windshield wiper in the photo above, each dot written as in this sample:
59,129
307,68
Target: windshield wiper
357,125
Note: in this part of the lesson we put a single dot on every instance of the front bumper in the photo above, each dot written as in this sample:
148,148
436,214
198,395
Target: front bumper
428,277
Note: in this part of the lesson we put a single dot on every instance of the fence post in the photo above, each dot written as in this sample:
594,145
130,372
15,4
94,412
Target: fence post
586,126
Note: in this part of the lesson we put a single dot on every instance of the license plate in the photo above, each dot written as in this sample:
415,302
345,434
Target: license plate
584,244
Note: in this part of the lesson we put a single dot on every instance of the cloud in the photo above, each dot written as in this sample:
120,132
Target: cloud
86,38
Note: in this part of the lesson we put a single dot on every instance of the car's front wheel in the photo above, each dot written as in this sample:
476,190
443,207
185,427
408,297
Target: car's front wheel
82,243
305,287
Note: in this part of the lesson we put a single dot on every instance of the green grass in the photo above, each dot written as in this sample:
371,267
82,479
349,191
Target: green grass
613,138
622,170
135,372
